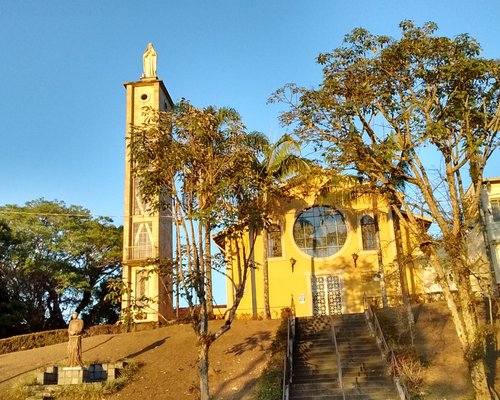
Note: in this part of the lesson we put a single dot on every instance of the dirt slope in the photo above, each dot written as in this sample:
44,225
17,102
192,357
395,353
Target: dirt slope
168,361
446,375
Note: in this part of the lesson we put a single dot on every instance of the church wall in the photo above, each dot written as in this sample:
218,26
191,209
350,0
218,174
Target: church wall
355,280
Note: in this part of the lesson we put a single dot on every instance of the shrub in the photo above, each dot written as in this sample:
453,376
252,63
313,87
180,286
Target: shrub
270,382
410,369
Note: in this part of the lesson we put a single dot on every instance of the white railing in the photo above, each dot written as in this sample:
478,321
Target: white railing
288,361
141,252
339,363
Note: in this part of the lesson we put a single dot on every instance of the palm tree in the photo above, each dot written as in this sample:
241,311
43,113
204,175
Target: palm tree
281,161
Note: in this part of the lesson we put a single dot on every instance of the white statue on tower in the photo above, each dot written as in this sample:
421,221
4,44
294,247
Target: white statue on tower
149,62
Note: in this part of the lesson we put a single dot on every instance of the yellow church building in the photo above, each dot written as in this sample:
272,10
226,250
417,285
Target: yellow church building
325,256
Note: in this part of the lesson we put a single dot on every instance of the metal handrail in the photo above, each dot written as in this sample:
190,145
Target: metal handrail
288,361
339,363
372,317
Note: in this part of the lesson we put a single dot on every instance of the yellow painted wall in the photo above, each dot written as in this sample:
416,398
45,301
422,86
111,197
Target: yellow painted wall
356,281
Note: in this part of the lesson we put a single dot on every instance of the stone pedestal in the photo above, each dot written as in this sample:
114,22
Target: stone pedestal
75,375
72,375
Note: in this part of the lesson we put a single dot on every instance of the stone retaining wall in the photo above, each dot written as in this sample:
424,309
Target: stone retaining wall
76,375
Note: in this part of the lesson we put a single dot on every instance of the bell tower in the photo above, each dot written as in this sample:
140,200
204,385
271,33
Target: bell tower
146,234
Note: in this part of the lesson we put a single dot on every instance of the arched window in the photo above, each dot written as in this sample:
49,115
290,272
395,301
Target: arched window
274,241
320,231
368,234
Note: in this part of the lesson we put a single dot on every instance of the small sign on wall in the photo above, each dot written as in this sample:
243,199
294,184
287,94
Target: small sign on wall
302,299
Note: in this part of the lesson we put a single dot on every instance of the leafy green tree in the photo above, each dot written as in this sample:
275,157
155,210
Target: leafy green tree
56,257
11,307
422,112
203,156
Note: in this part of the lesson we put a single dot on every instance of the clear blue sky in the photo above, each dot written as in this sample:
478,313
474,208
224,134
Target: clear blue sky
64,64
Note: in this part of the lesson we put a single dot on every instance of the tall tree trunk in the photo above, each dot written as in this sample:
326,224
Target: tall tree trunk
265,273
204,341
479,380
252,273
84,302
208,271
376,217
464,316
402,273
87,296
56,319
203,369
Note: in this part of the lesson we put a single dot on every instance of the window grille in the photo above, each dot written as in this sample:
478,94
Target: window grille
274,248
320,231
142,240
368,233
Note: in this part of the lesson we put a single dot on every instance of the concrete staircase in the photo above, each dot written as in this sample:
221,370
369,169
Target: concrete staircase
315,374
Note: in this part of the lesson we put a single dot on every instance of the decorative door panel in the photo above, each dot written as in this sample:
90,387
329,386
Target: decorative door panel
334,294
326,295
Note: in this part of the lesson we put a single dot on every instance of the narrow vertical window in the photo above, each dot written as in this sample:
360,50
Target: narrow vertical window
141,291
139,208
142,240
274,241
141,281
368,233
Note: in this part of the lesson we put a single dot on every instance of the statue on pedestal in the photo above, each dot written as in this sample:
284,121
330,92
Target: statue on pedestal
149,62
75,329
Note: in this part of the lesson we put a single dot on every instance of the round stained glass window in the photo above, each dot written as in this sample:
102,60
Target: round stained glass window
320,231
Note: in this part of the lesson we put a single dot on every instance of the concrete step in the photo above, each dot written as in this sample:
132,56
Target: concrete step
356,347
316,350
305,373
304,337
315,374
321,378
315,365
305,344
304,387
337,394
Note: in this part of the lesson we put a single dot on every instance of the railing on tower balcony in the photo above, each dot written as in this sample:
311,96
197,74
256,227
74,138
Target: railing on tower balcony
141,252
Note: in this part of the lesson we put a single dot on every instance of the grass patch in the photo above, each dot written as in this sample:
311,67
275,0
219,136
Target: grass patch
270,382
